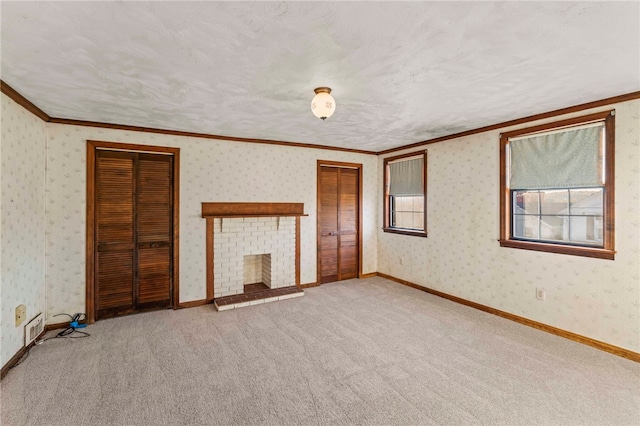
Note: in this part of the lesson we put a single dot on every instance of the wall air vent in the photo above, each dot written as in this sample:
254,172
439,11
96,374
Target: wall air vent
33,329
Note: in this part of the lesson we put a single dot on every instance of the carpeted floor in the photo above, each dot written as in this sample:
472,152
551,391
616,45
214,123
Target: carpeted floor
355,352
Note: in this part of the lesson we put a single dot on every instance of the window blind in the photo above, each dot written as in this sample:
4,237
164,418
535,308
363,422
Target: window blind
405,177
568,159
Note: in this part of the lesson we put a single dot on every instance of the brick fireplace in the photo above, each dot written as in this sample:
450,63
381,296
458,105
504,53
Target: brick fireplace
252,252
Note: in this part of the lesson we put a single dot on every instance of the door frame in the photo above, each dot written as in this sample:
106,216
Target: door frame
92,147
338,165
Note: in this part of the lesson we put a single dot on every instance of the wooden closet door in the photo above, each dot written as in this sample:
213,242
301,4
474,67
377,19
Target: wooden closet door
115,233
348,223
134,232
328,224
338,215
154,226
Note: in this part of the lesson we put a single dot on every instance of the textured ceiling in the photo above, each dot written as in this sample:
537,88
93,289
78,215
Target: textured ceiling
401,72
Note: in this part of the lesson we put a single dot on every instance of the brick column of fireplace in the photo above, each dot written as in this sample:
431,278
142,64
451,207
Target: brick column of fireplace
235,238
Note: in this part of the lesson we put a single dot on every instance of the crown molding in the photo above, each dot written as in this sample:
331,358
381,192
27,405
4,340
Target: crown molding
28,105
201,135
576,108
24,102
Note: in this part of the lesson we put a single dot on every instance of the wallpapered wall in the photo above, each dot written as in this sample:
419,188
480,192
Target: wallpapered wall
592,297
462,257
23,221
211,171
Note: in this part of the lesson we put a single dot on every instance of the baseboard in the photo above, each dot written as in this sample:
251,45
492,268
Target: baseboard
18,356
606,347
56,326
363,276
14,359
194,303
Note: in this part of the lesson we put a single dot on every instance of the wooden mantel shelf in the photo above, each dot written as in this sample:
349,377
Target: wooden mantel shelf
252,209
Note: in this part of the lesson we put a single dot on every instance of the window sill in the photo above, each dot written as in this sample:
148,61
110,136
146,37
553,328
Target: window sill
405,232
598,253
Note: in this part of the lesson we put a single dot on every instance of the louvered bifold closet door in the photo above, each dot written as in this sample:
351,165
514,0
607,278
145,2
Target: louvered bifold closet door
115,233
134,232
328,225
348,220
154,223
338,213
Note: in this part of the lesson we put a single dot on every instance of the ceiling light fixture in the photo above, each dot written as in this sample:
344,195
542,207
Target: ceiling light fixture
323,105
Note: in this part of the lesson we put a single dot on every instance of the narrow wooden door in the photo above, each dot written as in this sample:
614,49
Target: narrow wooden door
338,223
134,232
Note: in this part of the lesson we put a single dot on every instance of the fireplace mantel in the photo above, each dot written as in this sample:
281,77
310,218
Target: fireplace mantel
252,209
220,211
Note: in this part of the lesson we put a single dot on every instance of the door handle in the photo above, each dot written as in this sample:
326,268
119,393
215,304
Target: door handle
156,244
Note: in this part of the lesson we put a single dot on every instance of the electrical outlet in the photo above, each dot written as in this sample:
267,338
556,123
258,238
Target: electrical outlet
21,314
401,260
540,293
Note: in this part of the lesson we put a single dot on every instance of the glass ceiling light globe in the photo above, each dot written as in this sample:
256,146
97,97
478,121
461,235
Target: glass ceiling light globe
323,105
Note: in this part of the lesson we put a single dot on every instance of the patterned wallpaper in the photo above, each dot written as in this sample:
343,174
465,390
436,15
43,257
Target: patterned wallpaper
461,256
210,170
23,221
592,297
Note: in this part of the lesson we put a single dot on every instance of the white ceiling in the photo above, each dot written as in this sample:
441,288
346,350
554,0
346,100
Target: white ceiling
401,72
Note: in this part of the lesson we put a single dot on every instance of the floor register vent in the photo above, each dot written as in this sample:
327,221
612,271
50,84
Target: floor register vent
33,329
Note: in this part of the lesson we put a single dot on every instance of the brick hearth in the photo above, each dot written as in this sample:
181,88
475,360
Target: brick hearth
256,297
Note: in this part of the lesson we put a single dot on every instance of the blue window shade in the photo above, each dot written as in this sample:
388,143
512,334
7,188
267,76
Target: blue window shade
405,177
564,159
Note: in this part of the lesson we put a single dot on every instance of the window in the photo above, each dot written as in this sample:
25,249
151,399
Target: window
405,182
557,187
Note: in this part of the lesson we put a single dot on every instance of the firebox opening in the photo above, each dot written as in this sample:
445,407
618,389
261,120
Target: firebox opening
257,270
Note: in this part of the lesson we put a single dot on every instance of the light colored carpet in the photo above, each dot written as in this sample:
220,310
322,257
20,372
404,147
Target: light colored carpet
355,352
